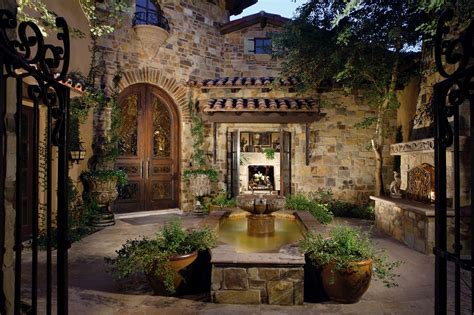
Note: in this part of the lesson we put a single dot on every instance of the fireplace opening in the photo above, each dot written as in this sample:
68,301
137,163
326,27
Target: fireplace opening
421,184
261,177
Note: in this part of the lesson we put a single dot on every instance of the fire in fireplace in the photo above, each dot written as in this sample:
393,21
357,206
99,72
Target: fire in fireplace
421,184
261,177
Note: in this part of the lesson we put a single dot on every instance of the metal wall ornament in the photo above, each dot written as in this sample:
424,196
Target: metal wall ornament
26,56
453,57
420,183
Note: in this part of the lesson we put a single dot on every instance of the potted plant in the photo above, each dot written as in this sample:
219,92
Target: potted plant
162,257
347,259
102,179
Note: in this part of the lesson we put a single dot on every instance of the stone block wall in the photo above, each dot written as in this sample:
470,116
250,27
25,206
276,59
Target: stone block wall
258,285
413,224
340,158
241,64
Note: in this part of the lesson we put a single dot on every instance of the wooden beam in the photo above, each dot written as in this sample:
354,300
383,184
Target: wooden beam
214,136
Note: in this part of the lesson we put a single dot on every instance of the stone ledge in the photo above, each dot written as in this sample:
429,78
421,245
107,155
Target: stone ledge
226,255
418,207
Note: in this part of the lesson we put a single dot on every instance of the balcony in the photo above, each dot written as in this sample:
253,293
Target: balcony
151,18
152,29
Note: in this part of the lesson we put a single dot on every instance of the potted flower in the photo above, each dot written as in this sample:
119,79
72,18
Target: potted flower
161,258
347,259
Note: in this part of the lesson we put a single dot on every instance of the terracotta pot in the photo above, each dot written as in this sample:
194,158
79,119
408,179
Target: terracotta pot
347,286
177,263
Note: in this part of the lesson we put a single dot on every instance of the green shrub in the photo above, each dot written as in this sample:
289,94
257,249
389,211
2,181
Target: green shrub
342,208
151,255
222,201
301,202
344,247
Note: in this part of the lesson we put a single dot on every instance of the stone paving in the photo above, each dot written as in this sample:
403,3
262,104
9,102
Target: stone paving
93,291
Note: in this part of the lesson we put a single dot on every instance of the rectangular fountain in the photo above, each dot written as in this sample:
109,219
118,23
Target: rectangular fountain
253,269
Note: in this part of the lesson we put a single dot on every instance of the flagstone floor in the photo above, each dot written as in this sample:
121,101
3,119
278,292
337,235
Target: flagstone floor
93,291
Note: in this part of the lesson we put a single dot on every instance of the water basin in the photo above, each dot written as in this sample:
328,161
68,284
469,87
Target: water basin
233,231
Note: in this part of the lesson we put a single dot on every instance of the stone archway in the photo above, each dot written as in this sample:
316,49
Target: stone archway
176,91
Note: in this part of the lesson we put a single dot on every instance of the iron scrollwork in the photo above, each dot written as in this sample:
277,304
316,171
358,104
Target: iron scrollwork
25,57
452,55
28,56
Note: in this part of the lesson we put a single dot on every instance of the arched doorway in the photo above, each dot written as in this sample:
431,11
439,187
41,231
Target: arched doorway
148,150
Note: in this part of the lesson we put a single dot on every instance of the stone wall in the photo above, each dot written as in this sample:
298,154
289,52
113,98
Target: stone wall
340,158
241,64
257,285
413,224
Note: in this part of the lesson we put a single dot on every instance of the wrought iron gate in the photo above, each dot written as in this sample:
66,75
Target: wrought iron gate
454,276
26,58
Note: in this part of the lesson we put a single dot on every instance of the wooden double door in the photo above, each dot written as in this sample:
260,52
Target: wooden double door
148,150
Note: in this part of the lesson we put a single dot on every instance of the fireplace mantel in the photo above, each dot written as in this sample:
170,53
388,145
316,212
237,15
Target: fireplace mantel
423,146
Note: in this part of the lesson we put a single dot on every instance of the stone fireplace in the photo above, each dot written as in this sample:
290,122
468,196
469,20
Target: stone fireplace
411,218
254,162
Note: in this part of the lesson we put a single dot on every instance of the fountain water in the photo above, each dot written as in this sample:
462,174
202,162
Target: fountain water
261,222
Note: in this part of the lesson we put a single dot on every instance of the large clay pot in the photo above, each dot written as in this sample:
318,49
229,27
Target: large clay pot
177,263
104,192
347,286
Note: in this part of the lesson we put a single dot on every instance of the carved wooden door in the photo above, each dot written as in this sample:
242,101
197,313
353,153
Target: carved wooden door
148,150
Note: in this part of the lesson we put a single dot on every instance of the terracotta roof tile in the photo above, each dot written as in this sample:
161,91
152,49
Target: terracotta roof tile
235,82
261,104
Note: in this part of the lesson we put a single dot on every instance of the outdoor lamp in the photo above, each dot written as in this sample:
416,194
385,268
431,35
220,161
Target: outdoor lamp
78,154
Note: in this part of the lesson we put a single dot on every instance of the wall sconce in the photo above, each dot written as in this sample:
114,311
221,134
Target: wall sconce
78,154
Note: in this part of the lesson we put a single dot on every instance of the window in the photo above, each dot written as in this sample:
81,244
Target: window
149,12
263,45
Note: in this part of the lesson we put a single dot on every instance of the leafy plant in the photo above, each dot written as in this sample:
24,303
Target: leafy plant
357,45
198,157
346,246
222,201
343,209
152,255
269,153
301,202
211,173
98,26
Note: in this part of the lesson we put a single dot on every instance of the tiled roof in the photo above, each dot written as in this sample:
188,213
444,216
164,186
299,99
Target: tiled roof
263,18
261,105
235,82
236,7
77,85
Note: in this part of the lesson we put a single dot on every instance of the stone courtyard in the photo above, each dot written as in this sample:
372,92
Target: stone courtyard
93,291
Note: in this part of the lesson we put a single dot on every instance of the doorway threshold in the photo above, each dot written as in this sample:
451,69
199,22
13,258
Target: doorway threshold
140,214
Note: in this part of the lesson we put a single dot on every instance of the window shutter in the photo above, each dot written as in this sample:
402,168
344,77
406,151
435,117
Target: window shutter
249,46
